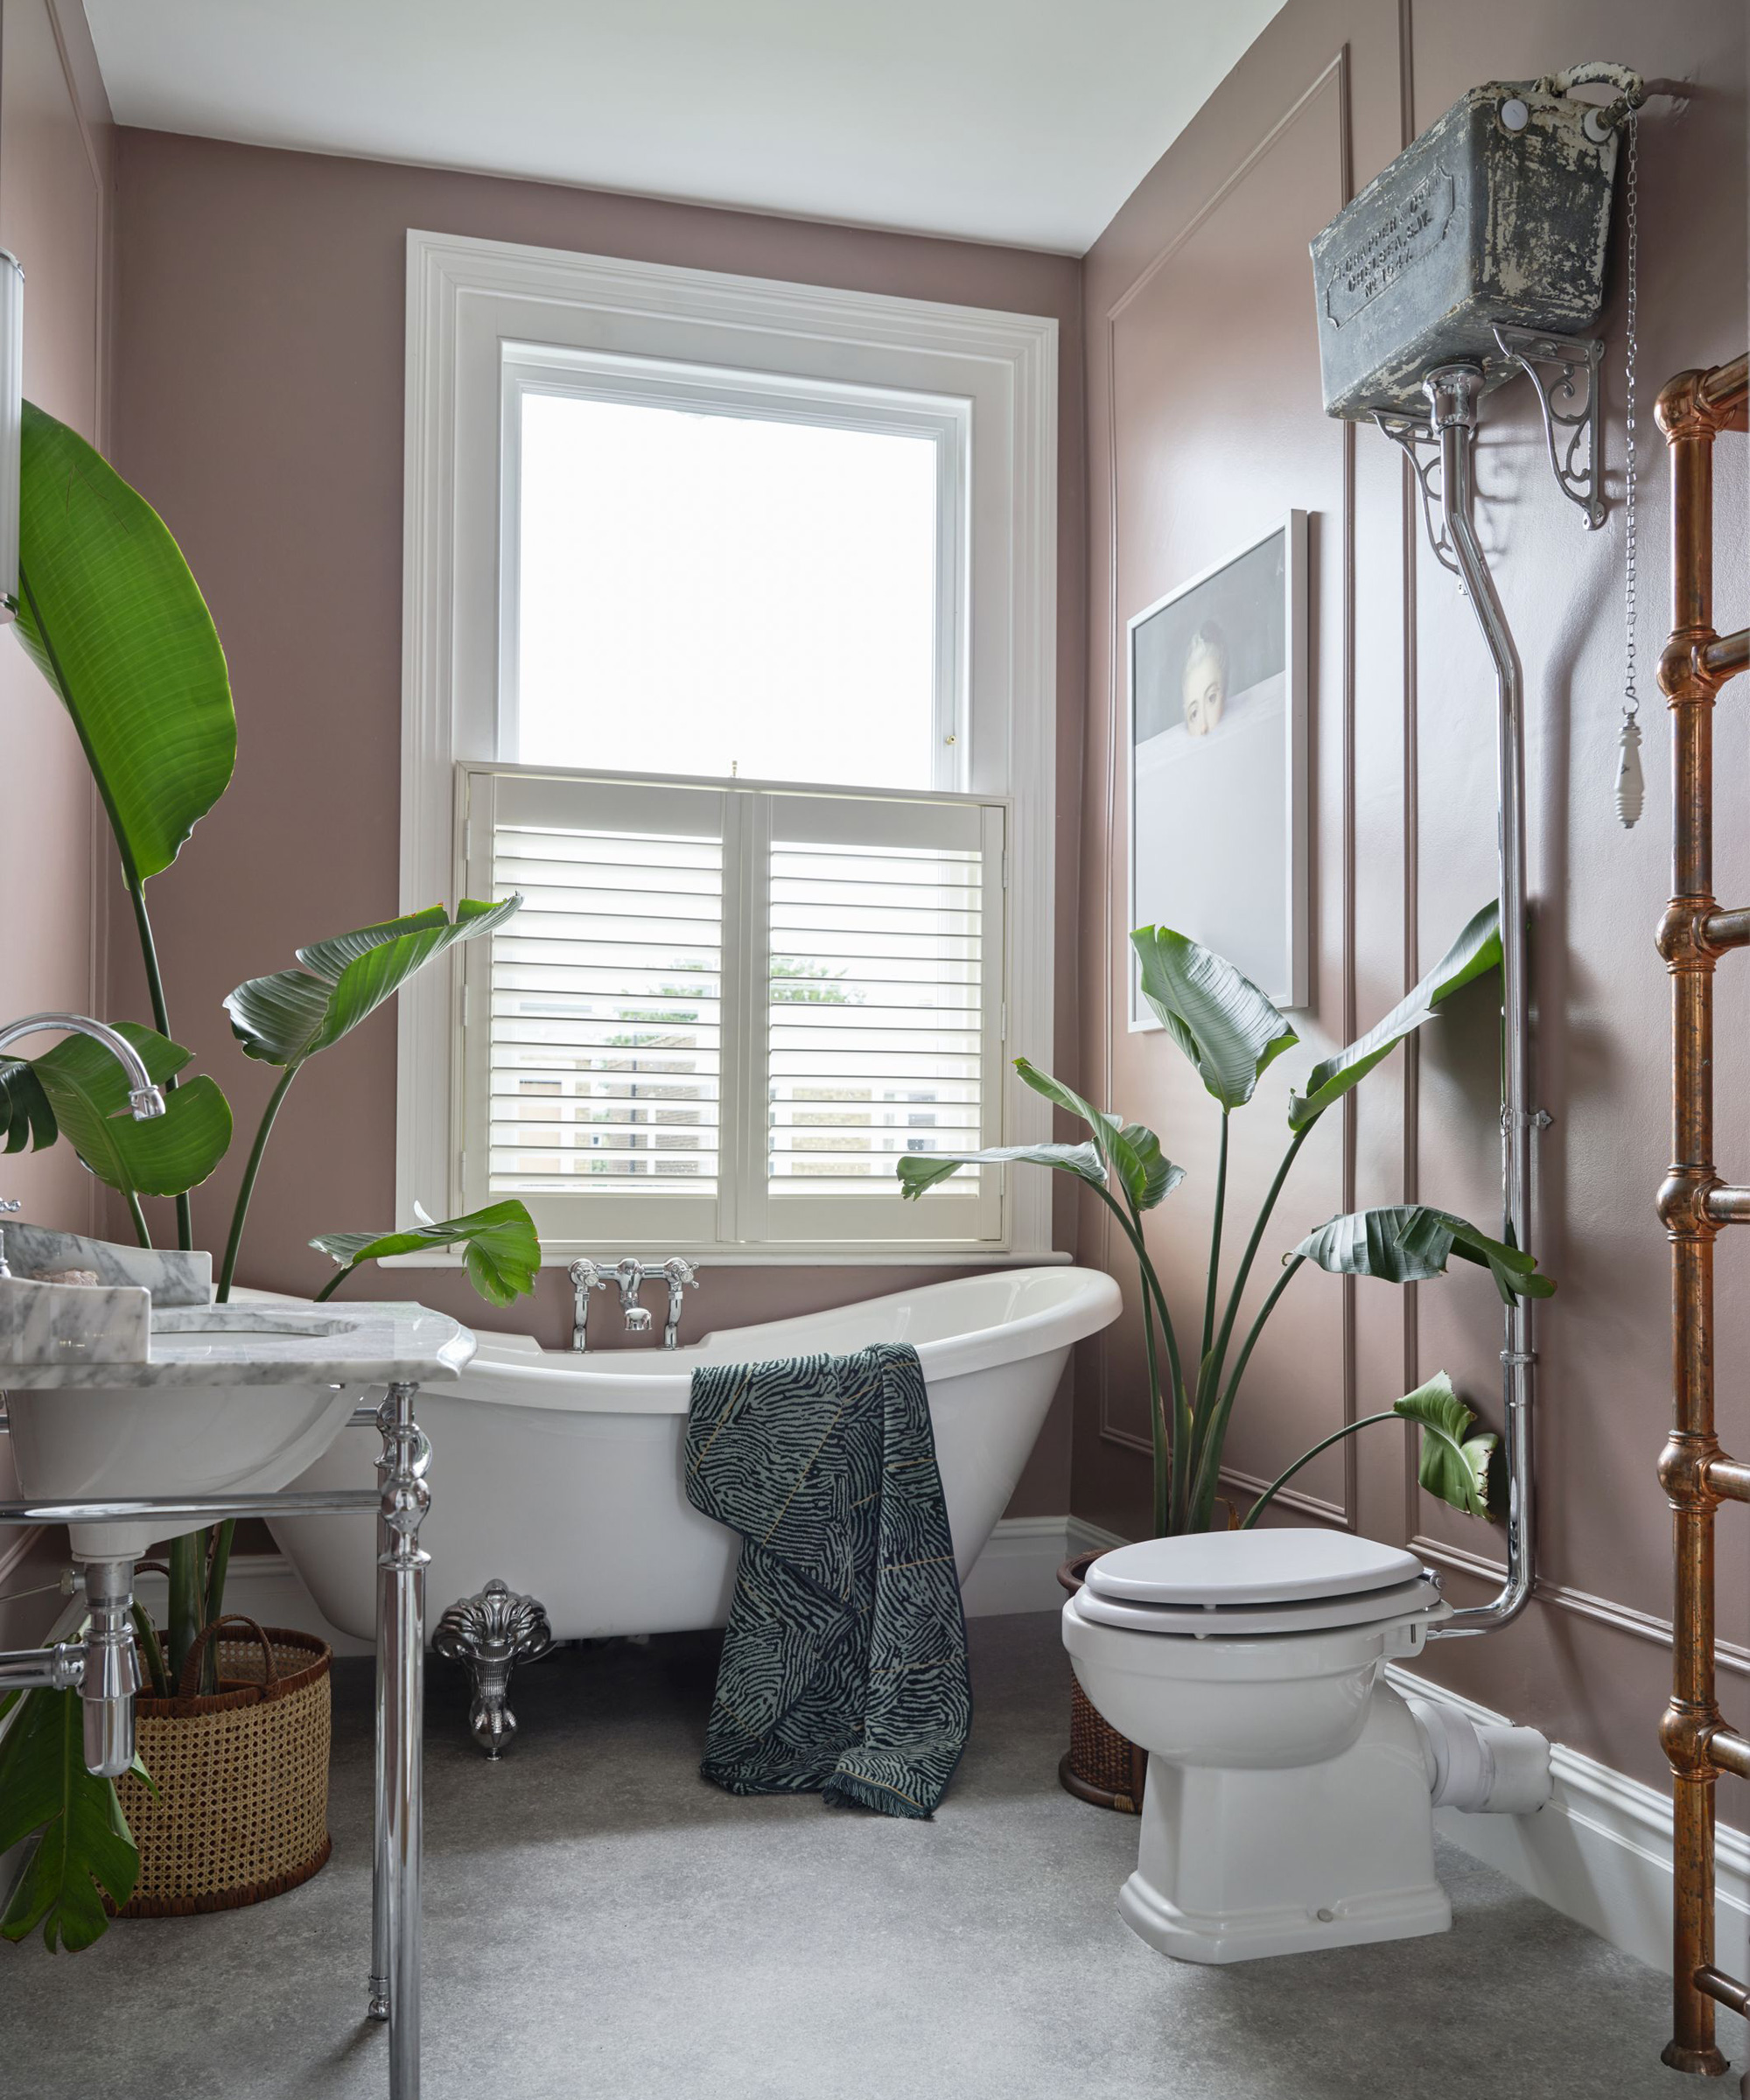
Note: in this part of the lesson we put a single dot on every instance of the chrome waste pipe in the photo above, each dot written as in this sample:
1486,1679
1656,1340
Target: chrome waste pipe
1453,391
103,1668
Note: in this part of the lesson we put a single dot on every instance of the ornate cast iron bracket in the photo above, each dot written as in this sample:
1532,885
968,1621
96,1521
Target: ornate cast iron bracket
1410,436
1568,403
1569,409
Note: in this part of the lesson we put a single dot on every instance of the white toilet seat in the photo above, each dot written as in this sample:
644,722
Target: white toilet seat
1251,1568
1228,1621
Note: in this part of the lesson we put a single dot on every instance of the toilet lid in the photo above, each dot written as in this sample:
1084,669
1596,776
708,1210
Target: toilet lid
1286,1566
1237,1621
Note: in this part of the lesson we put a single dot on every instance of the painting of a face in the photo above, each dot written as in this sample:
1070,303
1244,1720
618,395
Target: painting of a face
1218,764
1206,679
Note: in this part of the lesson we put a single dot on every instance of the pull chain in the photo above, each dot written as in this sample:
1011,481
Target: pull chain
1631,787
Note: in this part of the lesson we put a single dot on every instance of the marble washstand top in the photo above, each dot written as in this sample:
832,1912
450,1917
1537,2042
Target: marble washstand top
356,1343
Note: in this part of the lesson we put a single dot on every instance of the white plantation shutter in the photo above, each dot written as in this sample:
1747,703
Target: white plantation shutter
725,1012
599,1071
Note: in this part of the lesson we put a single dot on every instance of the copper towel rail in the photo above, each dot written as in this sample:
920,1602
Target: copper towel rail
1695,1203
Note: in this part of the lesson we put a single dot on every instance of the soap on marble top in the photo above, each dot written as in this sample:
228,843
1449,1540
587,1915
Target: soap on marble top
172,1278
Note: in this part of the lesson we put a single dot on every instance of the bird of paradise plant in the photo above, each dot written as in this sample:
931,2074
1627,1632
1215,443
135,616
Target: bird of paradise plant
1231,1033
113,619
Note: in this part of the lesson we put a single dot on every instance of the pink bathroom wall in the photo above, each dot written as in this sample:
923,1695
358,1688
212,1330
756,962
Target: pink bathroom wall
261,336
1206,425
55,163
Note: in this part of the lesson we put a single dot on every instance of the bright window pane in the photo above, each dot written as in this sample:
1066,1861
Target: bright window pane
715,594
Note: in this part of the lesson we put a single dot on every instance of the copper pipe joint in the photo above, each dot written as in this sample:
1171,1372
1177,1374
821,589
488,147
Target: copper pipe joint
1684,1206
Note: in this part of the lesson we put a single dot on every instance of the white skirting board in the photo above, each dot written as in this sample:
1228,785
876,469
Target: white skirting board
1600,1853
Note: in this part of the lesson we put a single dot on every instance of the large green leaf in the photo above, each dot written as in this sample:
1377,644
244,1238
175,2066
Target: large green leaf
1132,1150
1476,949
85,1841
85,1092
920,1171
1219,1018
1410,1243
288,1017
1455,1464
114,620
25,1115
502,1249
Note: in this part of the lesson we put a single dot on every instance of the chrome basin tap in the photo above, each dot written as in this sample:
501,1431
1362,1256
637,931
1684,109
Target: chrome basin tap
144,1099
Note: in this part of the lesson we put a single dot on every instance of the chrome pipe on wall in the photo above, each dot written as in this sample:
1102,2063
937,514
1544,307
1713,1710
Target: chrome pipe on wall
1453,391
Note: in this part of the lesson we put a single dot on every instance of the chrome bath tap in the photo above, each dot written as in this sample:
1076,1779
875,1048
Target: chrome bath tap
586,1276
681,1277
144,1099
632,1276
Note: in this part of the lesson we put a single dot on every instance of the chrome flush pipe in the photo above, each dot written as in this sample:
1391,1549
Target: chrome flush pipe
1453,391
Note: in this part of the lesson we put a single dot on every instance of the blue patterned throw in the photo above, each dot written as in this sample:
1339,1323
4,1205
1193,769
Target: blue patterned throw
843,1668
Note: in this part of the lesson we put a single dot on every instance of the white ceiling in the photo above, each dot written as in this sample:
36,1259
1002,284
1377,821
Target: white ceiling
1020,121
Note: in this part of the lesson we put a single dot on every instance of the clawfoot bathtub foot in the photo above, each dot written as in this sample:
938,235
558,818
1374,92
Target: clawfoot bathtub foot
489,1635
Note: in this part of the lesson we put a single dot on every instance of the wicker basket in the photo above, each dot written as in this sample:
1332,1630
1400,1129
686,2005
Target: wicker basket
1100,1765
241,1773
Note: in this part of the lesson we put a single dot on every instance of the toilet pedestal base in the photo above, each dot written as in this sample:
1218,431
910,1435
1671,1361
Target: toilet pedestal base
1233,1865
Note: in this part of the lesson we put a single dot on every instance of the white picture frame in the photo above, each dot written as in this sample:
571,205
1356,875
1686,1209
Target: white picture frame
1215,765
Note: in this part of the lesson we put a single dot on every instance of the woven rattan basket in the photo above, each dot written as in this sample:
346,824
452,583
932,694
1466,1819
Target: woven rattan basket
241,1773
1100,1765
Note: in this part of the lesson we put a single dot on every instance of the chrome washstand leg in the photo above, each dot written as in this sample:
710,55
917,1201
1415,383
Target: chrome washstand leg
377,2007
489,1633
401,1639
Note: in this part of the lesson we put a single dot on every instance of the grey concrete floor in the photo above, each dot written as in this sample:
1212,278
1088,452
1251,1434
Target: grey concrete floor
602,1925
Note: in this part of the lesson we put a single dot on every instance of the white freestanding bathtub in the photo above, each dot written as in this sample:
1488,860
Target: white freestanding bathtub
560,1475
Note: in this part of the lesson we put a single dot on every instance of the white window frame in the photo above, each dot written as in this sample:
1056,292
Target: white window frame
483,316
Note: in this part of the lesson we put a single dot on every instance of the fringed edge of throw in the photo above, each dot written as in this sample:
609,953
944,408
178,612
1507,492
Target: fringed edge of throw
848,1787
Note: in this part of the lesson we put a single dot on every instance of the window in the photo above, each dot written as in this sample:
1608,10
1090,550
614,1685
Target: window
729,621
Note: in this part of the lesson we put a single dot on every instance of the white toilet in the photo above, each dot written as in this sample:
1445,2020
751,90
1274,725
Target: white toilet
1290,1790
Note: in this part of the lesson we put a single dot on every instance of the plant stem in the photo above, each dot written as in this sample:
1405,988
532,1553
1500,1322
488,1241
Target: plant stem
138,1217
1180,1448
1214,1431
219,1568
187,1564
222,1294
146,1635
334,1284
1158,1432
1307,1457
1216,1243
1242,1276
148,955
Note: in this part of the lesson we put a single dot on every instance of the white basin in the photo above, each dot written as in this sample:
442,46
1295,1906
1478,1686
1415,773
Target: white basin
127,1441
232,1400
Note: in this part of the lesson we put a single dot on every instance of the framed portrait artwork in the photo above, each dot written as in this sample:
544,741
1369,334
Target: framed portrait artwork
1217,763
